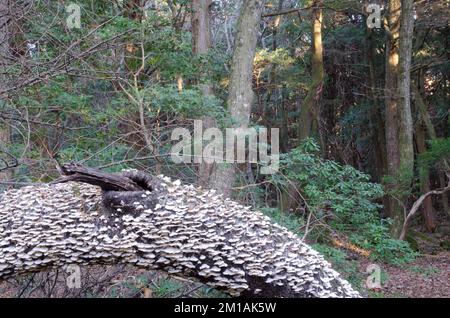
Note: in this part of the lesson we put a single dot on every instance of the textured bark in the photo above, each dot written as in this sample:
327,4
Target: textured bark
377,121
180,229
399,127
201,30
427,206
5,37
106,181
201,43
393,160
406,129
309,112
240,93
431,132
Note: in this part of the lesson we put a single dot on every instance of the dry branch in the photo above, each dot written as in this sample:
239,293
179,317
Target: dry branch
417,205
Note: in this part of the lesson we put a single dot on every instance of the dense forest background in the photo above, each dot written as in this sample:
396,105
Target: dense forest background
362,110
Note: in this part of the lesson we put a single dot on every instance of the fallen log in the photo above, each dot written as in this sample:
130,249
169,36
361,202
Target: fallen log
167,226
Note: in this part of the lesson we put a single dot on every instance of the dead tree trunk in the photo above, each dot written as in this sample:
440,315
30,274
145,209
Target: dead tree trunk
172,227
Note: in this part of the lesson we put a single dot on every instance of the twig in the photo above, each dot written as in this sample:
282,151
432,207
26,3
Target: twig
285,12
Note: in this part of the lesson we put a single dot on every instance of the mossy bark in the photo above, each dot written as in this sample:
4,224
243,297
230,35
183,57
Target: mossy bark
399,127
309,110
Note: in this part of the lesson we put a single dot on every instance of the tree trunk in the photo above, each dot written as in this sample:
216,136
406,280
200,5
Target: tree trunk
391,87
5,37
427,206
406,146
376,116
406,128
399,128
201,43
393,209
5,140
172,227
240,93
431,132
309,111
377,120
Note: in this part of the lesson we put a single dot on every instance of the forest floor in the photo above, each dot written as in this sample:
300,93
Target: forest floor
427,277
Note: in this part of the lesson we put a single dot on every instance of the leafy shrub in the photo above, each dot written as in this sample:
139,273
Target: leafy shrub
375,237
346,197
338,259
289,221
438,153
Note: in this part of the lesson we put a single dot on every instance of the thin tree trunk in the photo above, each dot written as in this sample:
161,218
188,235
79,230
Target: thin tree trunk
309,111
427,206
376,117
406,147
201,40
240,93
392,57
405,132
431,132
5,50
5,140
392,121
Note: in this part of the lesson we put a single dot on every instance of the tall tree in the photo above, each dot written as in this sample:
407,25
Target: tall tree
427,206
399,127
406,147
5,37
240,93
392,57
201,43
426,130
376,117
309,111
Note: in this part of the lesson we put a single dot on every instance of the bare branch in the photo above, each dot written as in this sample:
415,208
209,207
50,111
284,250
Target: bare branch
417,205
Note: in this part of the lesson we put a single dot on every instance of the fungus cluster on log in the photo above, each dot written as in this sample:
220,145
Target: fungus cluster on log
180,229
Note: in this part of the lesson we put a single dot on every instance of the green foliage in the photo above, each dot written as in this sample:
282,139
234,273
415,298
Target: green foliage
384,248
189,102
345,197
289,221
349,268
436,155
100,115
166,287
279,57
427,272
338,259
327,185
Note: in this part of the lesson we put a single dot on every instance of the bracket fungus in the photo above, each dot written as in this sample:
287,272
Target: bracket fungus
177,228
